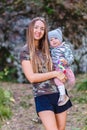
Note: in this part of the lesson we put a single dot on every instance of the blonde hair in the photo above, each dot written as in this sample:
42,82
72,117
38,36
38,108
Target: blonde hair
43,47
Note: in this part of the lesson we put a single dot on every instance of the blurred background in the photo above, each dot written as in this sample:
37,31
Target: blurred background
15,15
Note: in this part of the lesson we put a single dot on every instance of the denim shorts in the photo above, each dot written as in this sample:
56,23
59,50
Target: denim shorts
50,102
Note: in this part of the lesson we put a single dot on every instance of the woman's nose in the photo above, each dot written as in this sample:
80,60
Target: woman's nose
39,30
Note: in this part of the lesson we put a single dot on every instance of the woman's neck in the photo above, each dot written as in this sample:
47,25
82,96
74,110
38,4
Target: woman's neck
36,42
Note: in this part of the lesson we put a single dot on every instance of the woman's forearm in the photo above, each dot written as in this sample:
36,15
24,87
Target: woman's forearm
36,77
39,77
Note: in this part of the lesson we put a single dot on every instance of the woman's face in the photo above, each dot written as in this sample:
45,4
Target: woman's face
39,29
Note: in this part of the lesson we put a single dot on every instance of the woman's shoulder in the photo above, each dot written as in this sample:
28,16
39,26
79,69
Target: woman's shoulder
24,48
24,53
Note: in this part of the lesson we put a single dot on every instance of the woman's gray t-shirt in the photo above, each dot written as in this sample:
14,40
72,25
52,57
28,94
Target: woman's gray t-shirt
41,88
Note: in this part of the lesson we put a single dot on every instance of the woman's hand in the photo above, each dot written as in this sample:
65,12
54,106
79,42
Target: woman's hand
61,76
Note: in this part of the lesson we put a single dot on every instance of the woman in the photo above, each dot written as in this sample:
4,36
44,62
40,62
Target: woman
37,67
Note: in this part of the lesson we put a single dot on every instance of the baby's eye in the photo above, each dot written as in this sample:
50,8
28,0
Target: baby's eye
51,39
55,38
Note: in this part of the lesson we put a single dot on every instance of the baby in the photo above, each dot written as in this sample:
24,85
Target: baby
62,58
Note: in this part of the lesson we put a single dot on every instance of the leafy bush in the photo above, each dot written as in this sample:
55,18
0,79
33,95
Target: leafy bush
8,74
82,86
5,104
8,71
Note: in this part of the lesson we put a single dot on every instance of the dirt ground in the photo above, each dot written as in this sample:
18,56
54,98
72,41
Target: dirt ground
24,115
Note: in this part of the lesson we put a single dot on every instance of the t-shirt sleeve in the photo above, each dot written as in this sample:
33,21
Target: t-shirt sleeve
24,53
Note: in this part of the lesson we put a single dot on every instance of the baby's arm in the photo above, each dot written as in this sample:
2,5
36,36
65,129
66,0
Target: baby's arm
68,55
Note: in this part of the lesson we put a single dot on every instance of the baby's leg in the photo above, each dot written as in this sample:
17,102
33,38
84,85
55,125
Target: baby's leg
63,97
70,78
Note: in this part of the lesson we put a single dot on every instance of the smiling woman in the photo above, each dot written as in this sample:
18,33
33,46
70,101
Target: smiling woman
39,28
37,67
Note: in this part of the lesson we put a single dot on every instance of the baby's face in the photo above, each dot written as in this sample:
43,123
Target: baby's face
54,42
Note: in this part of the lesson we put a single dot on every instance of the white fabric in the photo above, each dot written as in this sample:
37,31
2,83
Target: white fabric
61,90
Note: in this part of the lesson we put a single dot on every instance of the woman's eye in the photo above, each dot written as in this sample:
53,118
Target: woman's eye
42,29
35,27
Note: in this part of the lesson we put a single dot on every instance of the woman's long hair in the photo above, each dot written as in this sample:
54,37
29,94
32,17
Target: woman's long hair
42,46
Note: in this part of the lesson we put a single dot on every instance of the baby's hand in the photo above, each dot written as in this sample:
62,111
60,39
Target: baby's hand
64,61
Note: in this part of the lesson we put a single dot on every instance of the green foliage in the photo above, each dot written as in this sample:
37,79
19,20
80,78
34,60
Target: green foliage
24,101
5,104
24,104
76,129
5,112
85,128
49,10
8,74
7,71
82,86
47,5
81,99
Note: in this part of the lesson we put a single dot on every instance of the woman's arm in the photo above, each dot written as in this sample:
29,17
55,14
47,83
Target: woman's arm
39,77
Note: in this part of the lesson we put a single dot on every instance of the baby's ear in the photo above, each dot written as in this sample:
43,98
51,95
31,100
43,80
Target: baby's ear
59,30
